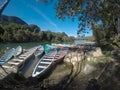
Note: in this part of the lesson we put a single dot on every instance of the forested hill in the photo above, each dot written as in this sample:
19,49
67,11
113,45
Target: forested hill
13,29
11,19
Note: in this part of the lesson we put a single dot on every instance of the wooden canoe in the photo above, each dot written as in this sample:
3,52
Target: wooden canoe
7,56
60,55
18,51
39,51
44,63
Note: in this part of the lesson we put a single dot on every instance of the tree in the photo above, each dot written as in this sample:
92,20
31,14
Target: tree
41,35
33,27
98,34
90,12
49,35
7,37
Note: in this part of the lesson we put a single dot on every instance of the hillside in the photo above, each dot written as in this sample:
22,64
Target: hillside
11,19
14,29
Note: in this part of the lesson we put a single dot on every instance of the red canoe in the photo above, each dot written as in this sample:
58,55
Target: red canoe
60,55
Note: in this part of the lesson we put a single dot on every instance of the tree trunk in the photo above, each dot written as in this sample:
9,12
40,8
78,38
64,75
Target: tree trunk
2,7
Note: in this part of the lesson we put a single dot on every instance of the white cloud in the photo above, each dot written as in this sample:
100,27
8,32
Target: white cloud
45,17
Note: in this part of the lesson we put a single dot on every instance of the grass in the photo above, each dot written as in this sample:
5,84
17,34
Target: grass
100,59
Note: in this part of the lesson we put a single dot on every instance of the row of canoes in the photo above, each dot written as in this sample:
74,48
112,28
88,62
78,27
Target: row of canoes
10,54
52,56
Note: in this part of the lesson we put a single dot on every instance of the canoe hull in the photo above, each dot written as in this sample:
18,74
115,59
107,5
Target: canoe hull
44,64
18,51
39,52
7,56
60,55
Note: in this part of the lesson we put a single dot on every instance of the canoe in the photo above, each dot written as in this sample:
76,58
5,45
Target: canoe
39,51
44,63
48,47
7,56
18,51
74,48
60,55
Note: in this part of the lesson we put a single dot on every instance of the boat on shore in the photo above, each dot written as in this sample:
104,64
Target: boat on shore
44,63
7,56
39,51
18,51
48,47
60,55
73,48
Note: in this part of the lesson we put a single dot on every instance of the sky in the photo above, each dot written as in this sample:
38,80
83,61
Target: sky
42,15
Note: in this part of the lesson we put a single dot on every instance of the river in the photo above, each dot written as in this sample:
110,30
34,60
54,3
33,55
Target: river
28,45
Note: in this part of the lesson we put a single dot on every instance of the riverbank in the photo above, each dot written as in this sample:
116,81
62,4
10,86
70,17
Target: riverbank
77,72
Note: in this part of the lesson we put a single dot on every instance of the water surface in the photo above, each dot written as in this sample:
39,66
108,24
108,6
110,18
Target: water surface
28,45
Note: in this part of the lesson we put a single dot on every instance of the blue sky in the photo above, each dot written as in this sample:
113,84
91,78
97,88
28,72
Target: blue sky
42,15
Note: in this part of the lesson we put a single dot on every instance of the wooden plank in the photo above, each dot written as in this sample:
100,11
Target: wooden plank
14,63
5,66
41,66
46,62
23,55
19,60
47,59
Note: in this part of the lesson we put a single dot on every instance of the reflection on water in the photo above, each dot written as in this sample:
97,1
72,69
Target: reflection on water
24,45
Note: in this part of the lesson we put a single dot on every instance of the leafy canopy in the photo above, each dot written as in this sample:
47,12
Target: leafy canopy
90,12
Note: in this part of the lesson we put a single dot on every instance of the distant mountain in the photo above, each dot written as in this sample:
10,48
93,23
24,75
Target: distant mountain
11,19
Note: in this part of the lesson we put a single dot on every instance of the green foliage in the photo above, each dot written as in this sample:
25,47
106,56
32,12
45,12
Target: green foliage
89,12
90,38
102,16
13,32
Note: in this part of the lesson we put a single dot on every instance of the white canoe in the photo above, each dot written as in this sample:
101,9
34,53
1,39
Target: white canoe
44,63
39,51
18,51
7,56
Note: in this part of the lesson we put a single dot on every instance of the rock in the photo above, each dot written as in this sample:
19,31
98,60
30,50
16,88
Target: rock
97,52
92,55
89,69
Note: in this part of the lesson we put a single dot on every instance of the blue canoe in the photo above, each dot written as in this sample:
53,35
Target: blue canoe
39,51
7,56
18,51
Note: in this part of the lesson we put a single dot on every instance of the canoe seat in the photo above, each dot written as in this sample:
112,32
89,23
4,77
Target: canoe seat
46,62
57,55
41,66
14,63
19,60
5,66
23,55
47,59
2,62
